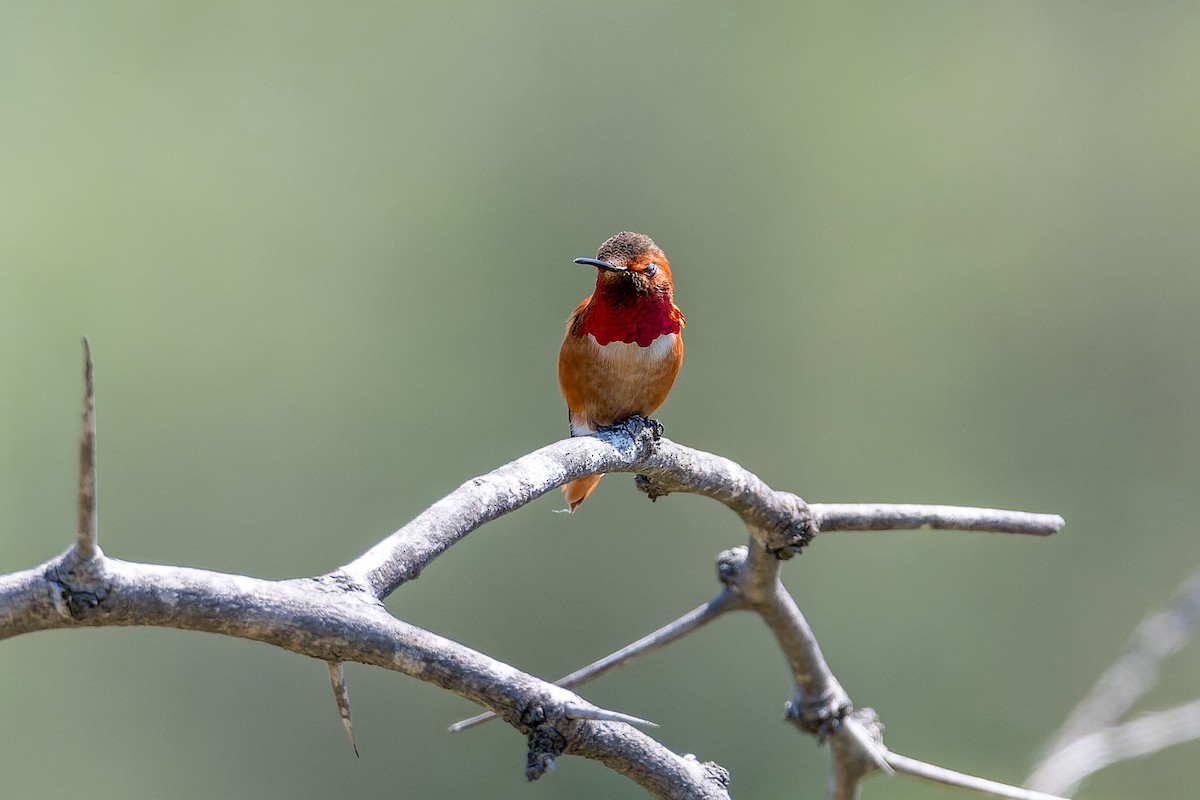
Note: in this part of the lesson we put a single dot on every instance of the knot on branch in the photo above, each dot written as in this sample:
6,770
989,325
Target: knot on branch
78,585
81,604
731,567
650,487
713,771
340,583
858,747
793,528
821,716
546,742
872,725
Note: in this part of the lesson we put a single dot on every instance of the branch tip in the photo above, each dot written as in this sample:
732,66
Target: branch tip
832,517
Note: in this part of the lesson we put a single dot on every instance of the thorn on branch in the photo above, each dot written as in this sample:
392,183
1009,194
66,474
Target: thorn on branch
341,695
594,712
86,544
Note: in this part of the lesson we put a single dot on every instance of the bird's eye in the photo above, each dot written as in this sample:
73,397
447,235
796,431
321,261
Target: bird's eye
650,271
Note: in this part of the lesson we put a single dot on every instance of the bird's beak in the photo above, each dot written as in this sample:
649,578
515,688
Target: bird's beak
604,265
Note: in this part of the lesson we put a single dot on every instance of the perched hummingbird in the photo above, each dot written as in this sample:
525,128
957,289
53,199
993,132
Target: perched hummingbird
623,346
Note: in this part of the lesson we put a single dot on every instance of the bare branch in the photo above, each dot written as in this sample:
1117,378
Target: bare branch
661,778
689,622
324,619
819,702
1158,636
694,619
948,777
1066,768
832,517
86,543
1088,740
779,520
339,617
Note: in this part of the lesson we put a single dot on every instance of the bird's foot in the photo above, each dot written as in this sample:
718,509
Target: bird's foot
635,425
638,423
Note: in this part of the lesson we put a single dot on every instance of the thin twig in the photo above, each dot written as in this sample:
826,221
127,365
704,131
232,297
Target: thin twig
1066,768
86,541
948,777
819,702
832,517
1158,636
697,617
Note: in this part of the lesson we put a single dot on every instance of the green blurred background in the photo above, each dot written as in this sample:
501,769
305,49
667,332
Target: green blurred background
928,252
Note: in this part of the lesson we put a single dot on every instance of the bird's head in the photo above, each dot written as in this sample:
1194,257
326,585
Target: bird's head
630,264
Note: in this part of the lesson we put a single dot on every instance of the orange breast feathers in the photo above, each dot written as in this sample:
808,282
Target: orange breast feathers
606,383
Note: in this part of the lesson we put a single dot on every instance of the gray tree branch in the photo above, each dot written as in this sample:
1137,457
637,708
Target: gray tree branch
325,619
339,616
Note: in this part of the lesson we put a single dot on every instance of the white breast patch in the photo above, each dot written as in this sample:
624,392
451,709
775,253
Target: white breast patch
659,348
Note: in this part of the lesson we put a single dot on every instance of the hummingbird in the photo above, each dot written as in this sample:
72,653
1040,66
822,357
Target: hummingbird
623,347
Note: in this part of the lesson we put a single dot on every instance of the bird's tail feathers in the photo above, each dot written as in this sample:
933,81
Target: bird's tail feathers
577,491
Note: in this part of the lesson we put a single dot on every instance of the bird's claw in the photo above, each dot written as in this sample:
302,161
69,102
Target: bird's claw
635,425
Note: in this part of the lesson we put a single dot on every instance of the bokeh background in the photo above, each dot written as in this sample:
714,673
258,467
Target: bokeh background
928,252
